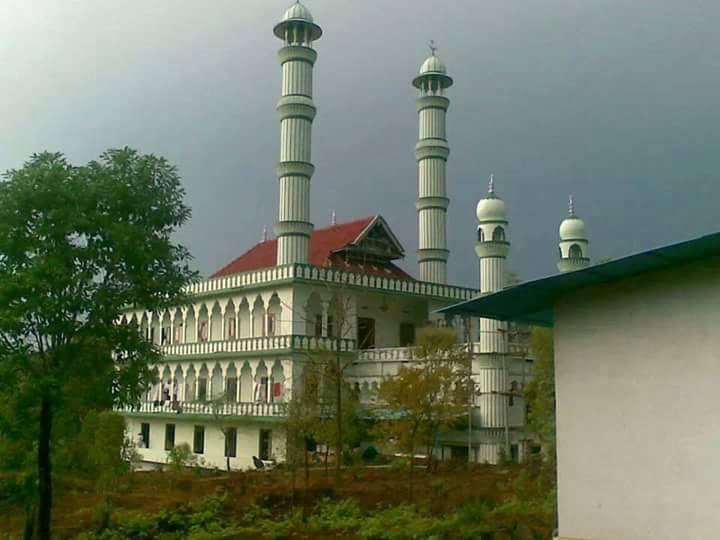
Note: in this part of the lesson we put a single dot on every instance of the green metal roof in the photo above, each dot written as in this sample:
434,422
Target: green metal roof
532,302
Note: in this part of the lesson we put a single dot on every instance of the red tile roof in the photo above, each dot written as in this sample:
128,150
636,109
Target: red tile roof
323,243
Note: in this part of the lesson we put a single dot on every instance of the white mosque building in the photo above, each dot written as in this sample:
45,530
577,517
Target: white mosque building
249,327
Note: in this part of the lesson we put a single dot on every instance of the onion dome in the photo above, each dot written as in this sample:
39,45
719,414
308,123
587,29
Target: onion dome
433,69
297,13
491,208
572,227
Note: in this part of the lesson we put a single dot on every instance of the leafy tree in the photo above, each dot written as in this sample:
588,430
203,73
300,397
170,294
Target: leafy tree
428,396
540,394
77,246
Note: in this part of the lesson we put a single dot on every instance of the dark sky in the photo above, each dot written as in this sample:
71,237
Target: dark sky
614,101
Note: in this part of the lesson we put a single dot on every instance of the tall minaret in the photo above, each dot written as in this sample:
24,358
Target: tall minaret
573,242
431,152
490,371
297,111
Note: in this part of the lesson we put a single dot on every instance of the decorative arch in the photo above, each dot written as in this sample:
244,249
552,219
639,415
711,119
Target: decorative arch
575,252
190,326
216,331
190,380
258,317
230,321
274,313
231,384
480,234
203,324
498,234
244,320
246,383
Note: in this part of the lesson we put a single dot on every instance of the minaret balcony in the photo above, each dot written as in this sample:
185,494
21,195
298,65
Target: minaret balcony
492,248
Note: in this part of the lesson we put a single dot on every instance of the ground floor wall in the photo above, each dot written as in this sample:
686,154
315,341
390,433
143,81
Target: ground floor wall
252,439
485,446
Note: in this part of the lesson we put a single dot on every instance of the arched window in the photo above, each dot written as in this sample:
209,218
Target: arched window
499,234
575,252
481,235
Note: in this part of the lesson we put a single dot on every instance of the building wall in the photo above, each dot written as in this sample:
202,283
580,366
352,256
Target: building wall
248,439
637,407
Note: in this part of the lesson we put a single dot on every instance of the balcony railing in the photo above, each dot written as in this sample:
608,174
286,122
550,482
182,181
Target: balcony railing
255,409
388,354
307,272
258,344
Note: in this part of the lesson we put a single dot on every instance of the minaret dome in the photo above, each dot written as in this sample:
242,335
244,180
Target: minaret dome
573,242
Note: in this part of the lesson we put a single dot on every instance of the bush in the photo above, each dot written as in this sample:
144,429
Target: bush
343,515
181,456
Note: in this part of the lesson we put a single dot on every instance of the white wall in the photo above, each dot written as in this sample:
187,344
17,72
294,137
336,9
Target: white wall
248,439
638,407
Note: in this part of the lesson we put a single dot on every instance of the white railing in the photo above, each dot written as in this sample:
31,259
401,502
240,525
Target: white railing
308,272
208,409
258,344
388,354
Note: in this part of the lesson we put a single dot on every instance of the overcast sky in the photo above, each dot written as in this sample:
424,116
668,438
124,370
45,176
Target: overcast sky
614,101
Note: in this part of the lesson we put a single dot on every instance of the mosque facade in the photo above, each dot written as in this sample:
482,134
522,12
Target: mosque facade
233,355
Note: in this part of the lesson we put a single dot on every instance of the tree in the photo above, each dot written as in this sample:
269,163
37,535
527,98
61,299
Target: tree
77,246
427,397
540,394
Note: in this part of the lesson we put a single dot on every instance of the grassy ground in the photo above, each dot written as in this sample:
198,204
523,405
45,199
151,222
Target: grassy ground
437,493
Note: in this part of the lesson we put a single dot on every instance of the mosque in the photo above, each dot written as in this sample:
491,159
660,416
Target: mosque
232,355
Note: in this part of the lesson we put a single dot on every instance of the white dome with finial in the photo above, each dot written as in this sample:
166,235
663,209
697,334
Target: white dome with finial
432,65
491,208
572,227
298,12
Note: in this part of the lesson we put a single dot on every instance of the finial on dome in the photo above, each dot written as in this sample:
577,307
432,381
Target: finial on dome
433,47
264,234
333,218
491,186
571,207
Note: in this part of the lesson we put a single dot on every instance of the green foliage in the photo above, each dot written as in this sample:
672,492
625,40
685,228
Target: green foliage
342,516
427,397
540,395
182,456
78,245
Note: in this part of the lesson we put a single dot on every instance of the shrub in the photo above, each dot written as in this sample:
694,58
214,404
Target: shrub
370,454
181,456
343,515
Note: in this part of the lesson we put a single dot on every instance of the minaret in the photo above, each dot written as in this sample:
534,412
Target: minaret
490,370
573,242
431,152
297,111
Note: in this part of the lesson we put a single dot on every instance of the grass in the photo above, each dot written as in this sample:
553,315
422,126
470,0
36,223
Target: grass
372,504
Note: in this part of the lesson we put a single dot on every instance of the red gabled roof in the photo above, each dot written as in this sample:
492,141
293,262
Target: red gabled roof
323,243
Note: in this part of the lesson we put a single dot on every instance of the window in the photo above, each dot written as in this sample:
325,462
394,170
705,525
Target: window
202,389
575,252
178,333
318,325
366,333
270,324
152,334
499,234
231,329
407,334
144,441
165,336
169,436
199,440
231,389
231,442
514,453
265,444
331,326
203,331
261,390
481,235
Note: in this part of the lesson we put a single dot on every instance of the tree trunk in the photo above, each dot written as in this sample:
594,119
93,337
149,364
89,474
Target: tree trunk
338,414
29,531
327,453
44,471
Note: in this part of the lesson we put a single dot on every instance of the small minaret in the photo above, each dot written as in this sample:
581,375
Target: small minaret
491,373
297,111
492,249
431,152
573,242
